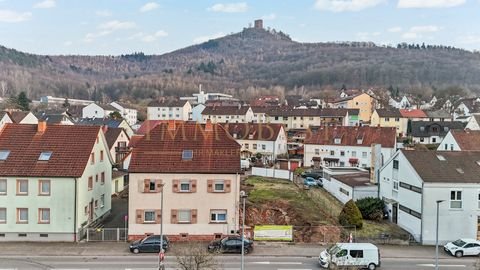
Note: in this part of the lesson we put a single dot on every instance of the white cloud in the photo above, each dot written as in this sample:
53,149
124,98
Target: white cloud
395,29
419,31
271,16
346,5
202,39
45,4
429,3
229,8
10,16
103,13
116,25
149,7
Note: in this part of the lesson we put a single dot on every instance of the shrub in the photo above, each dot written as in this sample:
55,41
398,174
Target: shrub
350,215
371,208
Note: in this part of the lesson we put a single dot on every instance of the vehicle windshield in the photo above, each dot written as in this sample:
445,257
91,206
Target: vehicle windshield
459,243
333,249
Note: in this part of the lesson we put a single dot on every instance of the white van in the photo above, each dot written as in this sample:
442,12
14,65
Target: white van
363,255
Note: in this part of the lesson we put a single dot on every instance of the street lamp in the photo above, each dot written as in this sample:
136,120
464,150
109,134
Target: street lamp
161,255
243,196
436,236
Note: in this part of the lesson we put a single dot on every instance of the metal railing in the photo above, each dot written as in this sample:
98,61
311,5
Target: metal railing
106,234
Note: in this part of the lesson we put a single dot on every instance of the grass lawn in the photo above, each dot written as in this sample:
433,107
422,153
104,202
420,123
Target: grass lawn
315,206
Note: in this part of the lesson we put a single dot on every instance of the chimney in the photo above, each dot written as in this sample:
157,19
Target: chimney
42,126
171,124
104,128
208,126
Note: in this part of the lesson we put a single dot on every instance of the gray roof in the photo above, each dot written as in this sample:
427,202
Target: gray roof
99,122
438,114
107,107
394,113
445,166
428,128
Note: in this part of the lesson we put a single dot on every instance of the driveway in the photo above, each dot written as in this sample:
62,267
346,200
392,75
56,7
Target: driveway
116,219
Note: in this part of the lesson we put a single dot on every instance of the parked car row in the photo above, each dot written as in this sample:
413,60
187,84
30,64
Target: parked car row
312,182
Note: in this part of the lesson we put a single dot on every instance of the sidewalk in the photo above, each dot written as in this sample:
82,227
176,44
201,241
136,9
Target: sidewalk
260,249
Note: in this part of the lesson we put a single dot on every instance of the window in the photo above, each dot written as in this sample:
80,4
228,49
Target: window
45,156
101,155
22,187
354,153
317,152
395,185
102,200
187,155
410,211
3,186
364,154
96,204
218,215
264,147
185,186
338,140
434,140
44,215
149,216
152,187
395,164
456,199
344,191
342,153
341,253
184,216
410,187
22,215
102,178
92,158
356,253
332,153
219,186
479,200
397,119
387,119
44,187
3,215
254,146
359,141
446,146
96,178
90,183
422,139
246,146
85,210
451,147
4,154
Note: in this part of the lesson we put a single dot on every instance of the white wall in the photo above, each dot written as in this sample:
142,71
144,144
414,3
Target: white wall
94,111
472,124
197,112
333,187
450,143
274,173
29,119
365,192
5,120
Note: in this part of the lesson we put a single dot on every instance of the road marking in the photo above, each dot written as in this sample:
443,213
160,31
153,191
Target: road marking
442,265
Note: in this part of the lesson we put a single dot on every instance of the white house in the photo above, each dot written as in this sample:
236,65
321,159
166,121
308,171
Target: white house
95,110
4,119
412,182
20,117
196,169
197,112
270,140
169,110
461,140
473,123
227,114
345,185
403,103
127,111
343,146
117,142
57,185
426,132
49,100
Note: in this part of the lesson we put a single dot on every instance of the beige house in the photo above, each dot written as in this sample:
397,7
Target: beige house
390,118
169,110
197,167
293,118
228,114
364,102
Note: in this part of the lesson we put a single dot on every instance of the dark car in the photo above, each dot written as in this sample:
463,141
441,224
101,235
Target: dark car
231,244
149,244
313,174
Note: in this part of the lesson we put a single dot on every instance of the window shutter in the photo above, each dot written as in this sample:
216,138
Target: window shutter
209,186
173,217
175,185
139,216
158,216
228,186
146,185
158,185
193,185
193,213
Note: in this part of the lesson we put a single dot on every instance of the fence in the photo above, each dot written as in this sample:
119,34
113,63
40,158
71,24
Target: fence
106,234
275,173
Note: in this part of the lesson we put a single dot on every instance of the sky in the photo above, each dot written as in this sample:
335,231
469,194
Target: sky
114,27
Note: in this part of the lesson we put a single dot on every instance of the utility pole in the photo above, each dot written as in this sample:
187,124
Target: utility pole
161,254
436,236
243,196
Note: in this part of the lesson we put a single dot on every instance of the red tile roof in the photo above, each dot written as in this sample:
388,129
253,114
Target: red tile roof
161,150
468,140
70,146
413,113
258,132
386,136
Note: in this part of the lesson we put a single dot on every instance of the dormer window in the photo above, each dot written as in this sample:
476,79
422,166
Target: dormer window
45,156
422,128
4,154
235,135
338,140
445,128
250,136
359,141
187,155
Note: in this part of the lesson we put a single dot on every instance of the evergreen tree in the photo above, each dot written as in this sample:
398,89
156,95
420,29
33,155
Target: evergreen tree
23,102
66,104
351,215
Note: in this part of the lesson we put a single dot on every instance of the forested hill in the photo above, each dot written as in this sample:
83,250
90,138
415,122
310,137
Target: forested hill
251,58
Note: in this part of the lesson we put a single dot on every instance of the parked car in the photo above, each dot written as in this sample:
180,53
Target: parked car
319,182
230,244
149,244
463,247
313,174
310,182
245,164
360,255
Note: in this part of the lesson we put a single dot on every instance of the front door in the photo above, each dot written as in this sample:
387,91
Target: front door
478,228
395,213
90,211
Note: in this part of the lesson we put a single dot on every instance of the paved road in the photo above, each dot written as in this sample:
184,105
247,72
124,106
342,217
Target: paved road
149,262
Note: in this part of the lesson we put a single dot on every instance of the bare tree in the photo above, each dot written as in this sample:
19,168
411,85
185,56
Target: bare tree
3,88
194,256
